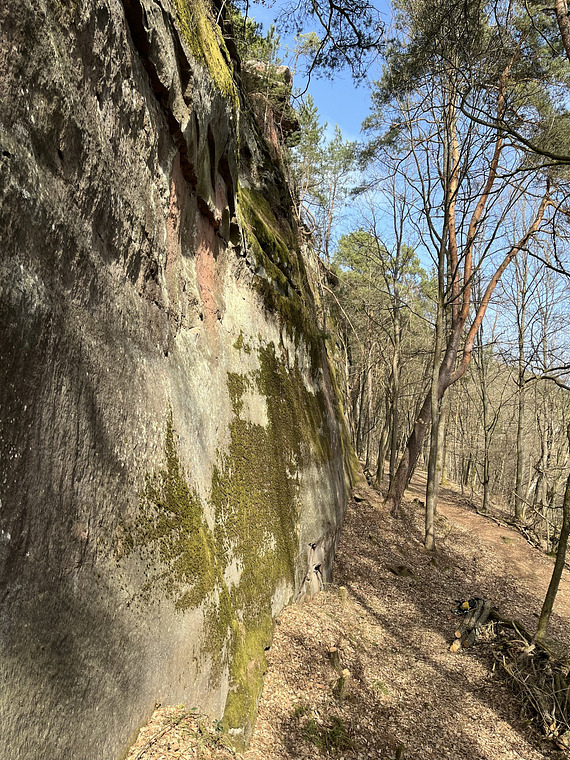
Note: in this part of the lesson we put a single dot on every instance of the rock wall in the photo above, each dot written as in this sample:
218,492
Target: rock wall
172,452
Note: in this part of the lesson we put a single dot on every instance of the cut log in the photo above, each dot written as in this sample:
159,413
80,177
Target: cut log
468,631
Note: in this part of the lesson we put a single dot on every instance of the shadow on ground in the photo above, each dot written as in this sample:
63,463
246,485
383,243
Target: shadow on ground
392,623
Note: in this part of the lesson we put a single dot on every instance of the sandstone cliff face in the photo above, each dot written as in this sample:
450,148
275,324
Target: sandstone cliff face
170,437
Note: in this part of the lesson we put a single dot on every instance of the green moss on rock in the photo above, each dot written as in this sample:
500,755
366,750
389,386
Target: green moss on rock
234,570
204,38
281,280
255,495
241,345
274,237
171,531
246,672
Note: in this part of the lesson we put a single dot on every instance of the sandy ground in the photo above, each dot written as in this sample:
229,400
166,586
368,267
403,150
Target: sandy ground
388,612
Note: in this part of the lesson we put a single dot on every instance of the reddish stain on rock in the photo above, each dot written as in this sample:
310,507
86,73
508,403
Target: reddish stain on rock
206,250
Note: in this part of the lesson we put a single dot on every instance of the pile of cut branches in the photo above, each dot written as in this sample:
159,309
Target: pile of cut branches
541,681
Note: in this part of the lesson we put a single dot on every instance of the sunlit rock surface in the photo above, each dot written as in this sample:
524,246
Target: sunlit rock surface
170,431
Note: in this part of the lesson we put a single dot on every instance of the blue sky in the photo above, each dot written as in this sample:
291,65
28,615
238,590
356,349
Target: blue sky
339,100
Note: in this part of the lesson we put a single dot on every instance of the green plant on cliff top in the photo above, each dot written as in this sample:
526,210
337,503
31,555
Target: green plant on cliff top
250,41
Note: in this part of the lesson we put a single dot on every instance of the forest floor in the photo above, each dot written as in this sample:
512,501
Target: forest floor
388,613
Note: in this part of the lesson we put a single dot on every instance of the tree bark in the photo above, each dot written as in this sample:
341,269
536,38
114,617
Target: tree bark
521,287
561,9
548,604
441,466
382,448
395,387
432,482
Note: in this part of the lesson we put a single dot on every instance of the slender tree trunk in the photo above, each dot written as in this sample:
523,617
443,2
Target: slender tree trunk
519,486
348,393
410,456
522,293
395,387
486,439
435,408
486,476
394,424
483,376
546,611
456,468
432,483
441,464
382,448
369,413
360,412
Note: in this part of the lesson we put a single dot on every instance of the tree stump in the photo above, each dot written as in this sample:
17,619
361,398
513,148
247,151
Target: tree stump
334,657
340,688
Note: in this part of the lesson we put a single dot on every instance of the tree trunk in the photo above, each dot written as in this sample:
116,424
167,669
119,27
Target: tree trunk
561,10
369,413
486,444
360,412
432,483
522,283
441,464
382,448
435,408
519,487
395,389
410,456
423,419
546,611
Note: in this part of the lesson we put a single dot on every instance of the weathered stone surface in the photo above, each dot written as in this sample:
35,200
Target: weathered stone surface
170,436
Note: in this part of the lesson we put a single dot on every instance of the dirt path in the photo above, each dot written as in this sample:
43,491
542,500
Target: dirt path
388,612
515,569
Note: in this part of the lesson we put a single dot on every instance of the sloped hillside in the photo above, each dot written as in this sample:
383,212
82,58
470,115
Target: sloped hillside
388,615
